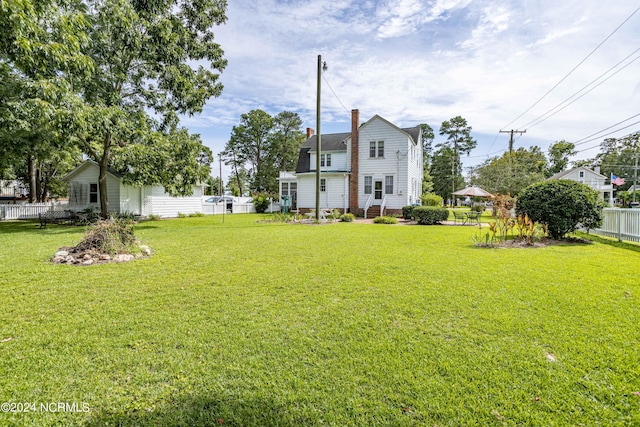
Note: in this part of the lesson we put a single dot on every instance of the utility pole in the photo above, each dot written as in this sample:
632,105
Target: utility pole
635,178
321,67
511,138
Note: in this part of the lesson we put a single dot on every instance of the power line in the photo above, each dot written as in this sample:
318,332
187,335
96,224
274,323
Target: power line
625,136
573,69
611,133
582,141
560,106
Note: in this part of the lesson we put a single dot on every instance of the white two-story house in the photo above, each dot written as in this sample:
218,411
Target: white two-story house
375,169
593,179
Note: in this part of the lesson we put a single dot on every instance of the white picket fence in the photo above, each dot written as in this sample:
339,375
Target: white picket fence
27,210
622,224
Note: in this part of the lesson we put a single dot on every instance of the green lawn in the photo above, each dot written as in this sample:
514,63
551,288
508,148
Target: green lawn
254,324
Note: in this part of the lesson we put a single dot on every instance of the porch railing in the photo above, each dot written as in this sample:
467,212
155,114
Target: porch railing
368,205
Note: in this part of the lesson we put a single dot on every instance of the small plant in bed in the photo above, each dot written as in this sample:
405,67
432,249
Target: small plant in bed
385,220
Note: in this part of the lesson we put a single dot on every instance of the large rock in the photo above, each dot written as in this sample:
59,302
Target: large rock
123,257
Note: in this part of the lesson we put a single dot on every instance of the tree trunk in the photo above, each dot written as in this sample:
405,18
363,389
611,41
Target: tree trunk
102,177
39,184
32,179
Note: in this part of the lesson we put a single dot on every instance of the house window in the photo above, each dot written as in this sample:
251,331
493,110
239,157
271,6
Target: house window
285,189
388,185
376,149
323,184
581,174
93,192
368,183
325,160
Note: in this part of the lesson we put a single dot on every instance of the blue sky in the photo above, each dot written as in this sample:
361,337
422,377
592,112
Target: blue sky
415,62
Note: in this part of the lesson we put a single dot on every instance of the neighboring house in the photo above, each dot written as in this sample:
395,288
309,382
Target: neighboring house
12,191
146,200
375,169
591,178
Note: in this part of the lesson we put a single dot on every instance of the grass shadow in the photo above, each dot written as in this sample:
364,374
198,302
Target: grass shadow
634,247
215,410
33,227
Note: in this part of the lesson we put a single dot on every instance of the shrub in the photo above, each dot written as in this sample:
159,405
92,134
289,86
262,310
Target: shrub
261,201
109,237
562,205
431,199
406,211
348,217
335,214
196,215
478,208
429,215
385,220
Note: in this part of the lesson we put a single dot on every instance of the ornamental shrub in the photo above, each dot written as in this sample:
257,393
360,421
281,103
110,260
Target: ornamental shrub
562,205
406,211
385,220
348,217
431,199
261,201
430,215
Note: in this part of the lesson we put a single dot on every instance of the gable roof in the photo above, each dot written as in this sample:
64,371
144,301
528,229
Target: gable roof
84,165
338,142
562,174
413,132
330,142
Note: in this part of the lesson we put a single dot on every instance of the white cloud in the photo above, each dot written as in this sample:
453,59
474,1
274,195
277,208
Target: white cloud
413,61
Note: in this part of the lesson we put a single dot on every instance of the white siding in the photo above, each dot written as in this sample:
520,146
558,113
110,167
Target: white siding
158,202
170,207
397,162
89,174
338,161
130,199
336,196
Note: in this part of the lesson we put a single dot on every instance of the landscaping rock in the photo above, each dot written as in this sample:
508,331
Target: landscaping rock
87,261
61,254
123,257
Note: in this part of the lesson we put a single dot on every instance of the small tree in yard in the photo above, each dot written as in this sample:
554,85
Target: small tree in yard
562,205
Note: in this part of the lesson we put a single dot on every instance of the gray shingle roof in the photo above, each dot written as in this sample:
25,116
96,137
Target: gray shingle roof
336,142
330,142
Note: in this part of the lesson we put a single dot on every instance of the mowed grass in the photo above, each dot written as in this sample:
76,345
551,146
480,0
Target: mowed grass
254,324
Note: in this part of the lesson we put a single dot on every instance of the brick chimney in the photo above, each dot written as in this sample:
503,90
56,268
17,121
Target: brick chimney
355,152
310,132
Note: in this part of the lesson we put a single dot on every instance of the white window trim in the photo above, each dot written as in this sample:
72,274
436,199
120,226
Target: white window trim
376,145
370,185
97,192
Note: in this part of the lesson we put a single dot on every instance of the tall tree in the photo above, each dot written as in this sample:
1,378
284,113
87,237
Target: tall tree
459,140
559,153
427,143
287,137
40,46
618,156
510,173
264,145
442,175
250,142
142,54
